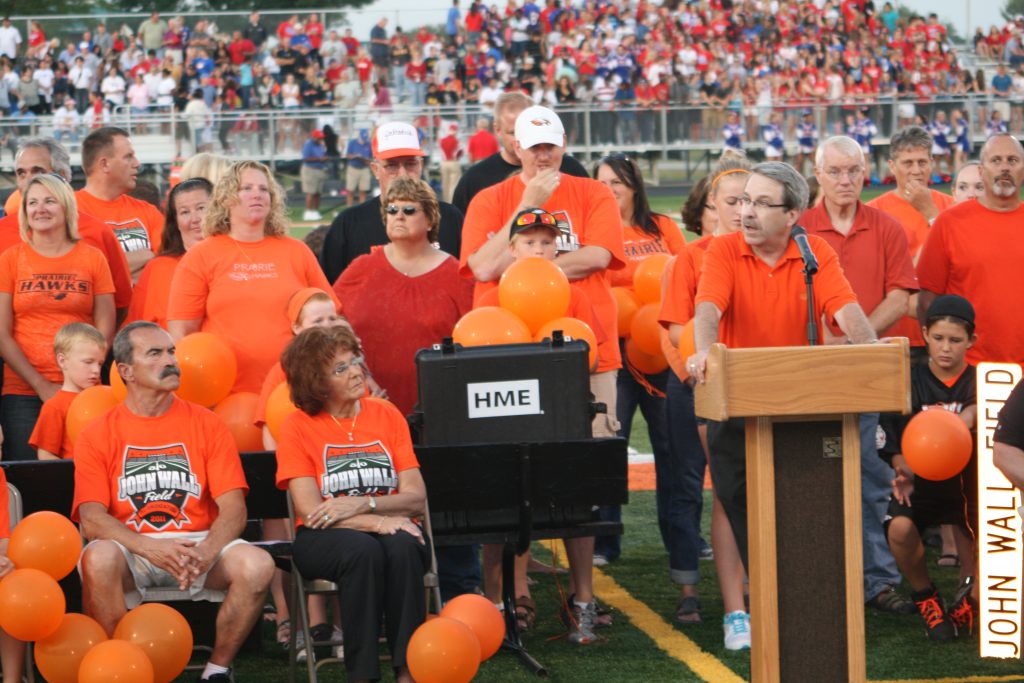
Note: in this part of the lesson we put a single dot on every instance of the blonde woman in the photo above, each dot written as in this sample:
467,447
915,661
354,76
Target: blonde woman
237,281
50,279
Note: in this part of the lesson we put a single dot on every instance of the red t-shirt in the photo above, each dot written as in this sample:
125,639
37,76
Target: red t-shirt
638,245
482,144
50,432
766,305
368,464
587,215
137,224
873,254
95,232
978,253
46,294
395,316
240,292
157,474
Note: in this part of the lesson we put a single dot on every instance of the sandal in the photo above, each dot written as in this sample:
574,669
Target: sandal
284,633
688,610
526,613
949,560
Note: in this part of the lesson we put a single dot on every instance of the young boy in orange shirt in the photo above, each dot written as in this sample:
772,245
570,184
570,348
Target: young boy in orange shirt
80,350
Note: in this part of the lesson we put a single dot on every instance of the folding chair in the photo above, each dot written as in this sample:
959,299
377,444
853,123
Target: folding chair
303,587
14,512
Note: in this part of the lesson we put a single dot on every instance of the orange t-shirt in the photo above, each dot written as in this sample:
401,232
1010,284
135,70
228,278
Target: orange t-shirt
157,474
978,253
913,222
368,464
137,223
46,294
579,308
240,292
5,519
92,231
587,216
638,245
152,291
50,433
766,305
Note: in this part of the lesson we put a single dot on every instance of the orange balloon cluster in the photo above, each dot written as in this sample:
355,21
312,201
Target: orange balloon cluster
638,311
490,325
115,661
647,278
279,406
208,368
92,403
535,290
644,330
627,303
162,634
31,604
937,444
482,618
443,650
117,384
570,327
46,541
59,655
239,412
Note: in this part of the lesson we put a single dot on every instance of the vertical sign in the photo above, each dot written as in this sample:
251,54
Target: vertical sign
999,526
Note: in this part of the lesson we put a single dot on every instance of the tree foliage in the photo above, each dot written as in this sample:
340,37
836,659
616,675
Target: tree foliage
1012,8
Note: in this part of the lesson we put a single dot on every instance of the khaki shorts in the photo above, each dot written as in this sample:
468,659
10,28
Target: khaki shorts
149,577
605,390
357,179
312,179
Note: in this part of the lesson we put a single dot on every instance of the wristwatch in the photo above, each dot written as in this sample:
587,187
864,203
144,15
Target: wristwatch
372,502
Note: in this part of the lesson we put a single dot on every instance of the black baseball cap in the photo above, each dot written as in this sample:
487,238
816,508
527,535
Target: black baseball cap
952,305
533,219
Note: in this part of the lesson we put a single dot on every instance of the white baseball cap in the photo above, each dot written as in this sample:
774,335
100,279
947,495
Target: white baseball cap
395,139
539,125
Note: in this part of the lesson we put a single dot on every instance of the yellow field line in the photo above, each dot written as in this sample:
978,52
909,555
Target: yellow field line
667,638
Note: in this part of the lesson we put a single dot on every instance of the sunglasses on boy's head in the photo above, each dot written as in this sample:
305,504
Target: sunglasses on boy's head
408,209
531,218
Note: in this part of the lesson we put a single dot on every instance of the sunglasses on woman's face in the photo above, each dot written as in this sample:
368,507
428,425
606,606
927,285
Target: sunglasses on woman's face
408,209
531,218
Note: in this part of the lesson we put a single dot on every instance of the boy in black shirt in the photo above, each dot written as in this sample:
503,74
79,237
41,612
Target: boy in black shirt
945,382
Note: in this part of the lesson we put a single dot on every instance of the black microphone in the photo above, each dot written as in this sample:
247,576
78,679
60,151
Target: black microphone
799,236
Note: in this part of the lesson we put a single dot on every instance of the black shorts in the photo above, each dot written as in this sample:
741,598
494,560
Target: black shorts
927,511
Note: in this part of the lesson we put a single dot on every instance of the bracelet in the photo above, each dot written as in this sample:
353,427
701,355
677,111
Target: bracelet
380,524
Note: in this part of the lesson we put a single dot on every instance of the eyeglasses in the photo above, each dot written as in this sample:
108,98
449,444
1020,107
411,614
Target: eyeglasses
852,173
761,204
529,218
342,368
408,209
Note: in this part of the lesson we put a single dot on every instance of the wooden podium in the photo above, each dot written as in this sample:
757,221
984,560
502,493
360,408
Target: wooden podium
804,504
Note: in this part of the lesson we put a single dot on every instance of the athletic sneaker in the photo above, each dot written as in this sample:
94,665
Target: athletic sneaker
600,561
218,677
940,627
964,609
706,553
891,601
311,215
736,626
581,628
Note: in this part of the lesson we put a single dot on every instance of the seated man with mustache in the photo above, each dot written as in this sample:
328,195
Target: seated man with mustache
160,494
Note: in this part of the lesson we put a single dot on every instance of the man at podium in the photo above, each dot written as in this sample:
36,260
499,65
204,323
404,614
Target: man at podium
752,294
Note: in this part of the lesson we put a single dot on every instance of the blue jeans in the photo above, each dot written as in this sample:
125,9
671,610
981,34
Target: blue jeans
458,570
18,415
880,570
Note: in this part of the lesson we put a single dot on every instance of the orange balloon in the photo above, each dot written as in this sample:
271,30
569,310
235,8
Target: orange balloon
937,444
570,327
116,661
644,330
687,343
647,278
488,325
31,604
482,617
648,364
87,406
536,290
47,541
163,634
627,304
443,650
208,368
238,412
279,406
117,384
60,654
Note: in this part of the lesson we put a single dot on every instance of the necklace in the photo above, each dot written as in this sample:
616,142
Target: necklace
351,431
